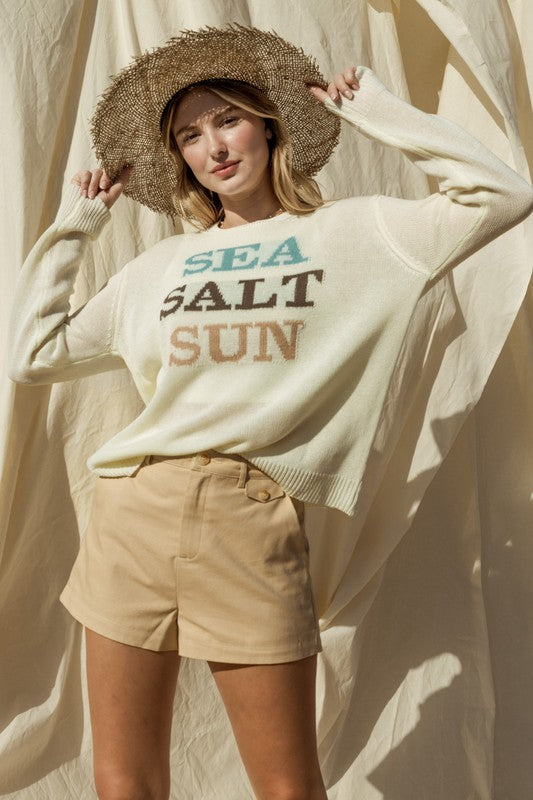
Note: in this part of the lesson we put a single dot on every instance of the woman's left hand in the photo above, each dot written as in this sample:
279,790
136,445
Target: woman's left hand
344,82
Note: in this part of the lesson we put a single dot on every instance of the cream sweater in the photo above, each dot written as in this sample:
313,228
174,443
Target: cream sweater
276,339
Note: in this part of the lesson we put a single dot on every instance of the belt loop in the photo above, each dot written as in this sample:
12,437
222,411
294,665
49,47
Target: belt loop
242,475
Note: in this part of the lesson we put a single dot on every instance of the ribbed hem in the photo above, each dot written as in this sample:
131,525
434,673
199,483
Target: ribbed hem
316,488
336,491
78,213
125,468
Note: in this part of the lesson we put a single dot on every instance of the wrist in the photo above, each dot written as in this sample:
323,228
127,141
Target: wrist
80,213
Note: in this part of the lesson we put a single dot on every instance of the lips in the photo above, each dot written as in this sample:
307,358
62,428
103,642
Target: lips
223,169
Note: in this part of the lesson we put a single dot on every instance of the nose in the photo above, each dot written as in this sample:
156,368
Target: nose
216,144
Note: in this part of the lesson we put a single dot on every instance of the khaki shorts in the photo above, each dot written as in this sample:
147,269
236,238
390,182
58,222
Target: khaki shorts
203,554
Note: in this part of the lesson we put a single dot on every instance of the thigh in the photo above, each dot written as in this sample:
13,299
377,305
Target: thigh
271,708
131,693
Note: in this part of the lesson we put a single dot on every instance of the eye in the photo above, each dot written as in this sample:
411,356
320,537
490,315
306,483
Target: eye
229,120
188,137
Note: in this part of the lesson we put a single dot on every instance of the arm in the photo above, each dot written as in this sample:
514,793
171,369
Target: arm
45,343
479,196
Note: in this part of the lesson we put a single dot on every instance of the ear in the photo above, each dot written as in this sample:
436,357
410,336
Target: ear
268,133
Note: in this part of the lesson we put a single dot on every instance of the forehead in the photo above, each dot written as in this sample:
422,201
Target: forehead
197,105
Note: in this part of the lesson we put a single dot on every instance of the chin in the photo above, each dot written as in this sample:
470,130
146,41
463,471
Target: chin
230,188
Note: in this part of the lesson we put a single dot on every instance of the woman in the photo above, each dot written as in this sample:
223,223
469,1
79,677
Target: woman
262,347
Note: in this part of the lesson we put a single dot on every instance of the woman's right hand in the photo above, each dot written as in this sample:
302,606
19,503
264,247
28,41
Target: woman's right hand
96,183
344,82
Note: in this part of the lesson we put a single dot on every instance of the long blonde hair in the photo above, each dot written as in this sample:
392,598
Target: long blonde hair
296,192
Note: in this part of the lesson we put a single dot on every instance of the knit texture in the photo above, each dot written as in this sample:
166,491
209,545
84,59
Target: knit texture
276,339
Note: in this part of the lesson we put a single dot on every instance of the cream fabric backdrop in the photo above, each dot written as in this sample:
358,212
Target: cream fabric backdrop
424,685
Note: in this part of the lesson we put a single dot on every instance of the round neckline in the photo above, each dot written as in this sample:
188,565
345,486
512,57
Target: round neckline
245,225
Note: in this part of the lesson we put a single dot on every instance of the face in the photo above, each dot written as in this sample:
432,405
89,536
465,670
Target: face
225,146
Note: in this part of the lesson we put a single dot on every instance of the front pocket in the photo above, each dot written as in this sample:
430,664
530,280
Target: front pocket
263,489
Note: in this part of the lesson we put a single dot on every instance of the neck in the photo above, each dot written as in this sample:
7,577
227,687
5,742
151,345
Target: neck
238,211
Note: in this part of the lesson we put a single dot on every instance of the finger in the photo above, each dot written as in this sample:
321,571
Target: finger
79,176
114,193
84,179
319,93
117,188
350,77
94,182
105,181
333,92
342,86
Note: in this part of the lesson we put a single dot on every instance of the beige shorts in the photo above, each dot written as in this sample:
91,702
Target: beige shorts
203,554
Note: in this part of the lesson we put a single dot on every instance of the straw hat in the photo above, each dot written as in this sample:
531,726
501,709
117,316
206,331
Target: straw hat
126,124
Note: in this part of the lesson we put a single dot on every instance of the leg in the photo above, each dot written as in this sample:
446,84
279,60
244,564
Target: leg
131,692
272,711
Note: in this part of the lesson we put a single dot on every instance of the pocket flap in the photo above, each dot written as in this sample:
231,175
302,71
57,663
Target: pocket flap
263,489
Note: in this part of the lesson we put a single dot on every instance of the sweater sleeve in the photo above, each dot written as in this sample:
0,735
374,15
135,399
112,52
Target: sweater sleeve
479,196
46,343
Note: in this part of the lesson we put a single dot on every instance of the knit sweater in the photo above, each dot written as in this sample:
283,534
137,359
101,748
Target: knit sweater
276,339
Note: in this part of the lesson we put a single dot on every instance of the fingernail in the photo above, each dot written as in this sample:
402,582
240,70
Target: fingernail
91,194
334,95
348,94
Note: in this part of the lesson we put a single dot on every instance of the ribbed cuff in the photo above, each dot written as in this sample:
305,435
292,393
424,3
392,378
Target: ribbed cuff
357,109
79,213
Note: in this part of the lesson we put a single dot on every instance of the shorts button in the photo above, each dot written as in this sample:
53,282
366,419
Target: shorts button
203,460
263,494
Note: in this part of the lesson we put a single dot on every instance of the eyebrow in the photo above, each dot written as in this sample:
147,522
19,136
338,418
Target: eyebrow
218,114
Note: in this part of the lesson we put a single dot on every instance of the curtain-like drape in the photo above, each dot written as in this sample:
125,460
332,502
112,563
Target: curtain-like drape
424,686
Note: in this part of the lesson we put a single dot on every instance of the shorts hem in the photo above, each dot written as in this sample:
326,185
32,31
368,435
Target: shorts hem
228,655
108,628
217,653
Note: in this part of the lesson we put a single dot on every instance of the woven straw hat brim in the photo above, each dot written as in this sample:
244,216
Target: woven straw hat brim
125,126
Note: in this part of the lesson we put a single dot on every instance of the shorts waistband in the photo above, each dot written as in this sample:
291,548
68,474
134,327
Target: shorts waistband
230,465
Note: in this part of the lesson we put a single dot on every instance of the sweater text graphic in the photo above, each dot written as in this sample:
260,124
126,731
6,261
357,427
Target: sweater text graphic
248,294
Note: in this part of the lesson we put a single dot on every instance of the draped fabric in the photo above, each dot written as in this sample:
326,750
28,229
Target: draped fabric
424,685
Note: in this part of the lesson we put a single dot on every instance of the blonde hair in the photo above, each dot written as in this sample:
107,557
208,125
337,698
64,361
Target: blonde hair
296,192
